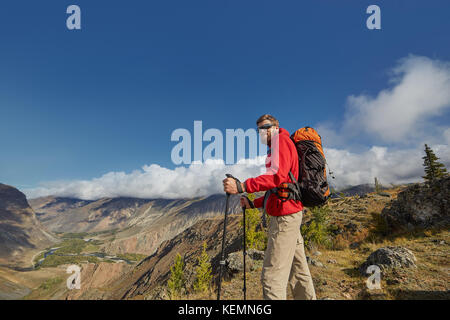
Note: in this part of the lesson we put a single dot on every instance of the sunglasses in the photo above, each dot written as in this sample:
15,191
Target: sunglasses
264,127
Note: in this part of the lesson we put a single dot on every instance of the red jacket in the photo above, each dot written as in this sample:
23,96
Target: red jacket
283,161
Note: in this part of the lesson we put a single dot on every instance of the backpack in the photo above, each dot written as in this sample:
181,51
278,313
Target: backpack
312,185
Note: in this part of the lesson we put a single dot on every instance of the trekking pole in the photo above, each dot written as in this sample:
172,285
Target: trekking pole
245,247
245,254
222,256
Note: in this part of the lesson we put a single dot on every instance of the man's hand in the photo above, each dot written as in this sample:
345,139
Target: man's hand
229,186
245,203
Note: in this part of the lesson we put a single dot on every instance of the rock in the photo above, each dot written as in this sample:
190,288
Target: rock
384,194
354,245
314,262
235,262
420,205
317,253
351,226
332,261
389,257
346,295
392,281
438,241
317,263
255,254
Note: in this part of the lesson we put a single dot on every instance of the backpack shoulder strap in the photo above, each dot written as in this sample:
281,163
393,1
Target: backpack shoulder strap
291,175
266,197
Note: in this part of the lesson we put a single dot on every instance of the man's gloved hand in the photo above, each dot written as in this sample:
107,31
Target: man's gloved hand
230,185
245,203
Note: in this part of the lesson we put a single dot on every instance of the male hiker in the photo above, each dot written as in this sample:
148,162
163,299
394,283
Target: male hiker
284,260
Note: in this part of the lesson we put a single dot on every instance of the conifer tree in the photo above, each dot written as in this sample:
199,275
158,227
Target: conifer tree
377,185
254,239
203,272
433,168
177,280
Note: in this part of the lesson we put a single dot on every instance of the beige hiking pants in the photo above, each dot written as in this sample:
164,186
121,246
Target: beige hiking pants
285,261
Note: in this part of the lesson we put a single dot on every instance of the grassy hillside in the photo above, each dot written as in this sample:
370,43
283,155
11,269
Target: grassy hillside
356,229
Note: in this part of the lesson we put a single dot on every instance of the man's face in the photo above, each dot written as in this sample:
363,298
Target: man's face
266,134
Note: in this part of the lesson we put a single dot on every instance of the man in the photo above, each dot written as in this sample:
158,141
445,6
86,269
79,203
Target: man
284,260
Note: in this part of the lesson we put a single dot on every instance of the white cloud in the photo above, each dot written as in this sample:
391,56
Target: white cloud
202,179
404,112
154,181
388,165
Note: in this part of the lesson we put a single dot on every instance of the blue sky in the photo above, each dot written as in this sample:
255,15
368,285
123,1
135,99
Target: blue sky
79,104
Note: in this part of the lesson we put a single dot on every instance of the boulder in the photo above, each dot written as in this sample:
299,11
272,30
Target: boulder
421,205
388,258
235,262
314,262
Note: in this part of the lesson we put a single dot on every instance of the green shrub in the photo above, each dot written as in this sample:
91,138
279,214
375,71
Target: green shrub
317,231
177,280
254,239
379,225
75,246
203,275
49,284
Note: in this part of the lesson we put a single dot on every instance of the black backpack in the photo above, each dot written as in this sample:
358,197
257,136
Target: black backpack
311,186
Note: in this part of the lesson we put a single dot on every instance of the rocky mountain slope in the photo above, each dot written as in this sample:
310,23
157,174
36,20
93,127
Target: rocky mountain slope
148,279
20,232
134,225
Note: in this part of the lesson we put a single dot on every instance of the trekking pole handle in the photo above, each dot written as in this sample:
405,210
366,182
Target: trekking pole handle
238,183
252,205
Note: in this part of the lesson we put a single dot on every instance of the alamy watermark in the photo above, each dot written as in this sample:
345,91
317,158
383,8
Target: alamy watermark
73,21
232,147
74,280
374,281
374,20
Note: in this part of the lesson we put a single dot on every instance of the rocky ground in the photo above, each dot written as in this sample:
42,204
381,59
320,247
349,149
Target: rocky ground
336,273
